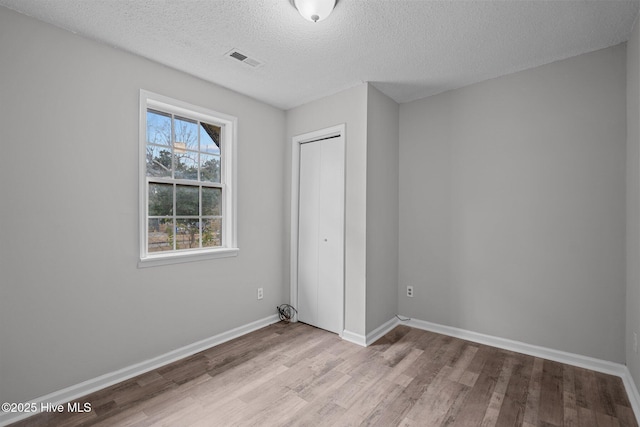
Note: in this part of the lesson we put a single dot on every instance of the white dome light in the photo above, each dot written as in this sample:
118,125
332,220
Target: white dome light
314,10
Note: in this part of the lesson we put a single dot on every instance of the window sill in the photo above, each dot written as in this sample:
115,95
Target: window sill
179,258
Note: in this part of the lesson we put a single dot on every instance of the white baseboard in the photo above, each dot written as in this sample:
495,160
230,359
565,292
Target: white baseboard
573,359
520,347
76,391
379,332
371,337
632,392
354,338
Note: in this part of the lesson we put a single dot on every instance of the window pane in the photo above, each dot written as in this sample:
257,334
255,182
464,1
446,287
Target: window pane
211,201
160,199
186,135
212,232
158,161
187,234
209,138
186,165
209,168
187,200
158,128
160,236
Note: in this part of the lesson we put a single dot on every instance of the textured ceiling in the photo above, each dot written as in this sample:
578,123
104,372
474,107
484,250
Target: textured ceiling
407,49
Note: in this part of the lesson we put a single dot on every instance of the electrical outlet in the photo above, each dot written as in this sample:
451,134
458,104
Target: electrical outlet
410,291
260,293
635,342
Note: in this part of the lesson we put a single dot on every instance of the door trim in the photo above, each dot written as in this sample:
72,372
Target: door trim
338,130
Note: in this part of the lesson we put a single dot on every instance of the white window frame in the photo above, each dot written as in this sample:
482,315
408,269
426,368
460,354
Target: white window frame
228,135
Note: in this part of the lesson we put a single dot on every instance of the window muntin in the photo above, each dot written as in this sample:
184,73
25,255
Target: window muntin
186,195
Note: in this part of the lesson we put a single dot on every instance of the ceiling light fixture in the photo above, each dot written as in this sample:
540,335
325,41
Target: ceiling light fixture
314,10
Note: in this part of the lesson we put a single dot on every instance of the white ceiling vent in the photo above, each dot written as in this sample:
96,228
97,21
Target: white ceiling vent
235,54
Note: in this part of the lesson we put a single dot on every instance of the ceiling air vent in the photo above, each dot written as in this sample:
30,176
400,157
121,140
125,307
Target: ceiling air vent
245,59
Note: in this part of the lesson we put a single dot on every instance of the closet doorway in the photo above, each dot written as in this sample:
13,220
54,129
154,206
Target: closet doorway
318,245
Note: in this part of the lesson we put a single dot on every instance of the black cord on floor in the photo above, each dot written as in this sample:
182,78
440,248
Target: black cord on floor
286,312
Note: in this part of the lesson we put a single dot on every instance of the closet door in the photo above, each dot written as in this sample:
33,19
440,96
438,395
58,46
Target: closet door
321,234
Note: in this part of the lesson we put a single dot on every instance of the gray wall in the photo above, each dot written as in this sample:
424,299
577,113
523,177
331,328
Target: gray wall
382,208
511,209
73,304
633,200
512,206
349,107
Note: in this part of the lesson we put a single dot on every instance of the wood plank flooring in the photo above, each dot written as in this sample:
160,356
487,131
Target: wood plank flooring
297,375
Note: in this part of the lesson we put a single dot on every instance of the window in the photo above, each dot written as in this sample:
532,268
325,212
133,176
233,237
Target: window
187,198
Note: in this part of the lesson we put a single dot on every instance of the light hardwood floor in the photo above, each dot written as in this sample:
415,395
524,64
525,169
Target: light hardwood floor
297,375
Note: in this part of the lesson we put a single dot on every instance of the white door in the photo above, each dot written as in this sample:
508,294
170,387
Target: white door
321,234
